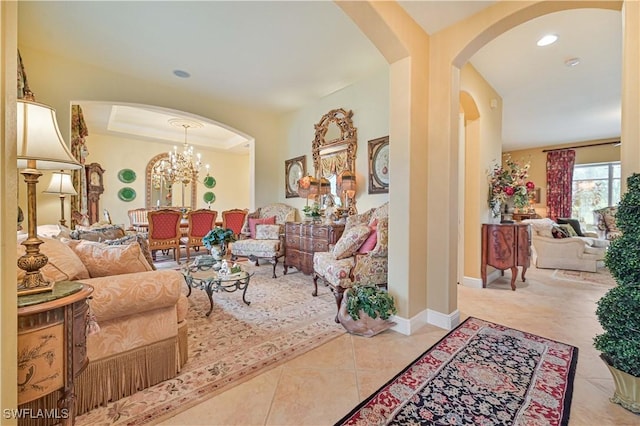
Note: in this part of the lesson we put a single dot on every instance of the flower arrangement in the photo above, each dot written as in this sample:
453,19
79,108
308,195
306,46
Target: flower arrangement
218,236
510,181
312,211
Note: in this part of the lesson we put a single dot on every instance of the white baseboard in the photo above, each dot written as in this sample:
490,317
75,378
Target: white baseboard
428,316
472,282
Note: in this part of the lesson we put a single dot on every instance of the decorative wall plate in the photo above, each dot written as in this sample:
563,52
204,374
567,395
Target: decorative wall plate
209,197
126,175
127,194
209,181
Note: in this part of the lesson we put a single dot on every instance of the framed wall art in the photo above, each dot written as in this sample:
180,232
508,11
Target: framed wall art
379,165
294,169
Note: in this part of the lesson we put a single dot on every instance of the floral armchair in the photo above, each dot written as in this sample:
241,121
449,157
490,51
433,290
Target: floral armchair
606,222
262,235
359,256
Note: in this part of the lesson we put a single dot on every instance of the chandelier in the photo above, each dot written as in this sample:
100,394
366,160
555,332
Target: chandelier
181,167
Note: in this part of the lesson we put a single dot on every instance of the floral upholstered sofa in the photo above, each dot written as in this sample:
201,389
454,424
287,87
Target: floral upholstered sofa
606,222
262,235
141,333
359,256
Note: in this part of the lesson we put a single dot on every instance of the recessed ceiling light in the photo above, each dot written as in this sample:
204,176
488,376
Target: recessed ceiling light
181,74
572,62
547,40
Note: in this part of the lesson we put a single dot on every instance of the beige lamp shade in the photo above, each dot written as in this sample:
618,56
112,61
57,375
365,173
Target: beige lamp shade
61,184
40,144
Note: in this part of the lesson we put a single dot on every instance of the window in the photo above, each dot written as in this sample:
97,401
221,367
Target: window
594,186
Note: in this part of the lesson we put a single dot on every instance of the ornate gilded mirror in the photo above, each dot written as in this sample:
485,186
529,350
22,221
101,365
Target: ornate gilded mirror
161,193
334,147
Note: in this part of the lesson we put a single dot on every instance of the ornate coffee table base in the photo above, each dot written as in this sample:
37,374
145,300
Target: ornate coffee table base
207,279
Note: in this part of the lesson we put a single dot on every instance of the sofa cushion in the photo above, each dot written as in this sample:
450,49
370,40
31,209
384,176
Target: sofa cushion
569,230
53,231
541,227
371,241
255,221
102,260
350,241
267,232
63,265
575,224
141,239
382,244
559,232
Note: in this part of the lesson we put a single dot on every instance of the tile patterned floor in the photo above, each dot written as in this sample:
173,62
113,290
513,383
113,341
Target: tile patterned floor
320,387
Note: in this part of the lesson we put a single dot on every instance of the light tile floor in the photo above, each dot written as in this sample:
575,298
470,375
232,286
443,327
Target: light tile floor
321,386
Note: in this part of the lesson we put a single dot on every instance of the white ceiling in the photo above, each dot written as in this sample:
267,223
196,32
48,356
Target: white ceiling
283,55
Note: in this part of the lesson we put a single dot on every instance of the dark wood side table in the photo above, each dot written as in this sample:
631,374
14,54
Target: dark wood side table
302,239
505,246
52,347
522,216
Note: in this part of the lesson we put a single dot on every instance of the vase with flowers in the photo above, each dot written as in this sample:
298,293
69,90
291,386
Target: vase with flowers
216,241
510,182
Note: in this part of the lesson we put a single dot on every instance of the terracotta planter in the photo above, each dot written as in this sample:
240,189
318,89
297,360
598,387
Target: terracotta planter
627,391
365,326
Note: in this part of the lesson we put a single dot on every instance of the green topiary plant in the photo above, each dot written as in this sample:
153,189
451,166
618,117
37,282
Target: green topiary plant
373,301
619,309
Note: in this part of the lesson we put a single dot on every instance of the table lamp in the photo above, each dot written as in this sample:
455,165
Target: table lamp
39,146
347,186
62,186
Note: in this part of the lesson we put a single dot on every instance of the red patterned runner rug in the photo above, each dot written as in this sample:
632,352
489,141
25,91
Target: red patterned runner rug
480,373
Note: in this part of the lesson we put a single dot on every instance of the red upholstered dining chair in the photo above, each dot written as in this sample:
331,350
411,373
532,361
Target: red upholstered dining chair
234,219
200,223
164,231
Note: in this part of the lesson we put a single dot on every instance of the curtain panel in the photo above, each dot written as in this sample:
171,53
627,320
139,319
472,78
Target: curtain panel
559,183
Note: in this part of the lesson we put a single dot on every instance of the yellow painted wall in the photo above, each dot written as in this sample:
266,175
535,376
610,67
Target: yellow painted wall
481,153
538,161
231,172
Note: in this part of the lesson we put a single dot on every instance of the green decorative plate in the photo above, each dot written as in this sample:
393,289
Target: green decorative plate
209,181
126,175
127,194
209,197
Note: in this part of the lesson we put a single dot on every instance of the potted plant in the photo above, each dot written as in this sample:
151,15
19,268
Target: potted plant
312,211
365,310
216,240
618,310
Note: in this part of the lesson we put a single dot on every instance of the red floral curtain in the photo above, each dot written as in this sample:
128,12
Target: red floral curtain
79,150
559,182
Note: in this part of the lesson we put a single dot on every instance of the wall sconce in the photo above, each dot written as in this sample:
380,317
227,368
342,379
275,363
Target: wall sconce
40,146
62,186
347,186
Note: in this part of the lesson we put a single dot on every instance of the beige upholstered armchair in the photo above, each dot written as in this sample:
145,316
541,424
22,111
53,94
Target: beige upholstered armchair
359,256
262,235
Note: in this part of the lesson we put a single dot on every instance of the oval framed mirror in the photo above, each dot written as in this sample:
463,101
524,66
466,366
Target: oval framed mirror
334,146
160,194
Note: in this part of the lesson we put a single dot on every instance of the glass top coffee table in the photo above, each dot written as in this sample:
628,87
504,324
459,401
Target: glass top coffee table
204,274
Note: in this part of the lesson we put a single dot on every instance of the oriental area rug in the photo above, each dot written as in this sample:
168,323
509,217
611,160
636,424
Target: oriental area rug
235,343
602,276
480,373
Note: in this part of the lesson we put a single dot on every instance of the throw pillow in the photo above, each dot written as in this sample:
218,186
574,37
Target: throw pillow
245,225
558,232
267,232
568,229
63,265
350,241
371,240
575,224
97,233
255,221
382,245
141,239
103,260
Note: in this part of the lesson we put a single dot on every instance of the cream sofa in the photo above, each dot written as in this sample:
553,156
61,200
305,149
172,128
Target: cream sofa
140,313
573,253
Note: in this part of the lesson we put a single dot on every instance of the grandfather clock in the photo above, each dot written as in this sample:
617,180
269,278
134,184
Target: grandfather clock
95,188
